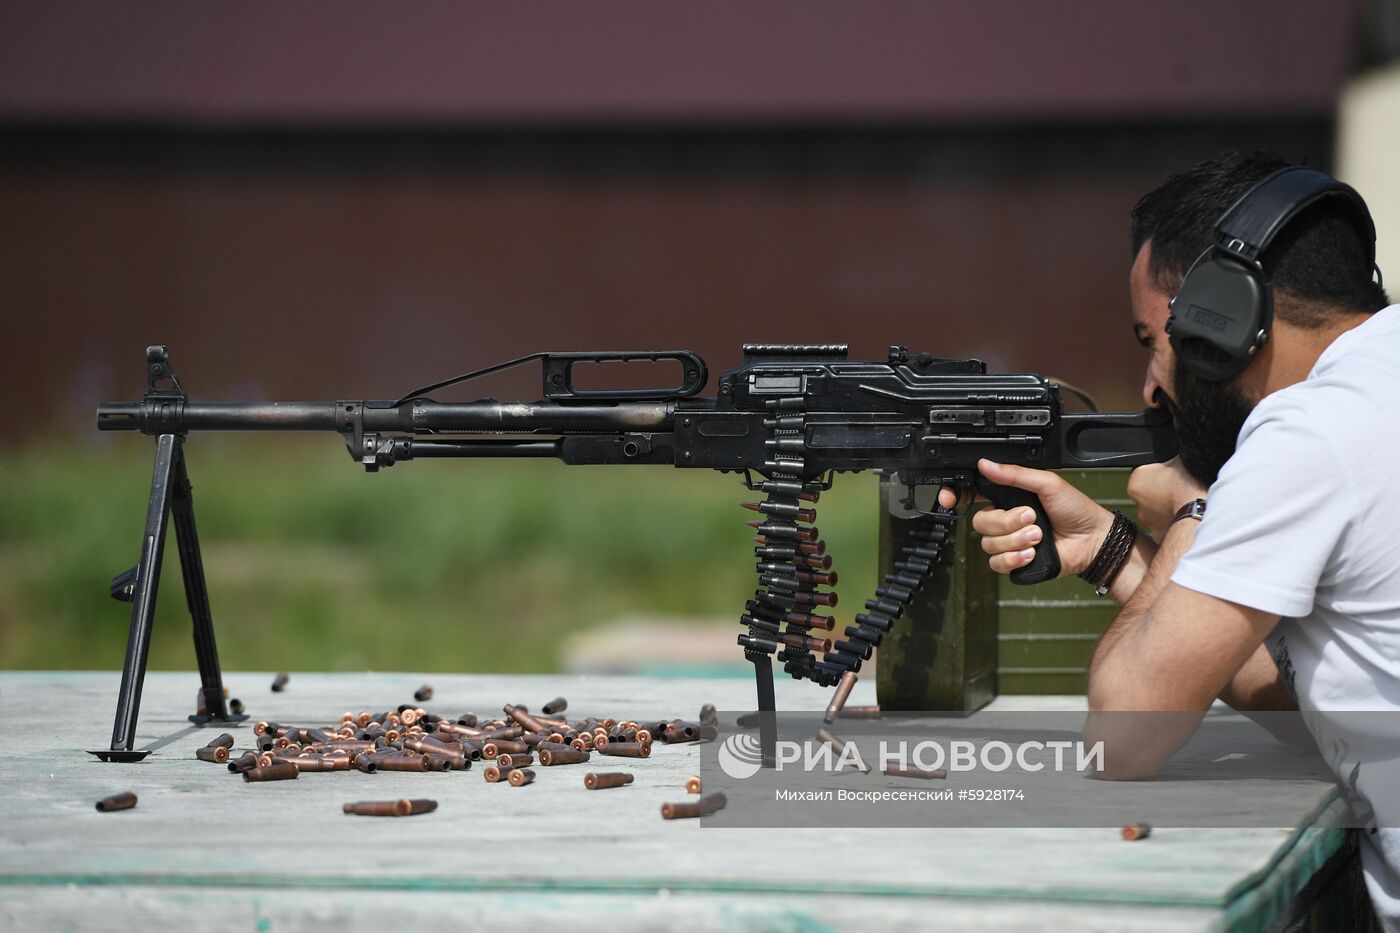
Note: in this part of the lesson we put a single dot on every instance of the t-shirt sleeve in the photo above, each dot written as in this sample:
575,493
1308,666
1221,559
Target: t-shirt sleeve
1277,514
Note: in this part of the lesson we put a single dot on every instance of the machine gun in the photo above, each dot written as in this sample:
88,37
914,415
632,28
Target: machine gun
787,419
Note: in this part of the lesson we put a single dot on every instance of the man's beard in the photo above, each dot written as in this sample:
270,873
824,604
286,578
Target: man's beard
1208,418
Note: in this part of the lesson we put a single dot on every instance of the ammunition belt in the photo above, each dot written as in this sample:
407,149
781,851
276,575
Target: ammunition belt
793,566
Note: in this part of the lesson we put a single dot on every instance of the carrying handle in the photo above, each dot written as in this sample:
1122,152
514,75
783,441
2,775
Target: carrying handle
559,374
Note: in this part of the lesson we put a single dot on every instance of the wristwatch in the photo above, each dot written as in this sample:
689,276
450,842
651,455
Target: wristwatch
1196,509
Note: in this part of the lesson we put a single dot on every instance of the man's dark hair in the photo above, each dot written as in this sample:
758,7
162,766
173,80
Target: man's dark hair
1320,262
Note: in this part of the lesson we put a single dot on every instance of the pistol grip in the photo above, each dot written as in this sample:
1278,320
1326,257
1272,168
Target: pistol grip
1046,563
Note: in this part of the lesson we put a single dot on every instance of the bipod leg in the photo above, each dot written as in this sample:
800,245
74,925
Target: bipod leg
143,606
767,709
206,650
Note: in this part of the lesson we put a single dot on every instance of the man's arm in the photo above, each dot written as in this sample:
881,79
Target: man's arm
1170,649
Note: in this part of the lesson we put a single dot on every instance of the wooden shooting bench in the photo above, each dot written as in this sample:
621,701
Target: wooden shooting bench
204,850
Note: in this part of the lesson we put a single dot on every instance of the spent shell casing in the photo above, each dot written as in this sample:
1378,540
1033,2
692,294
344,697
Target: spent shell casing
549,757
708,713
243,763
519,777
366,764
235,706
1135,831
692,785
928,774
424,693
279,683
123,801
277,771
556,705
449,762
224,741
378,808
837,745
402,763
859,712
218,754
594,781
844,687
496,747
515,761
626,749
520,715
494,773
437,763
705,805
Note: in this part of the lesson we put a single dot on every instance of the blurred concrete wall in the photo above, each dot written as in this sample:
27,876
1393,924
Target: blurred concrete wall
1368,153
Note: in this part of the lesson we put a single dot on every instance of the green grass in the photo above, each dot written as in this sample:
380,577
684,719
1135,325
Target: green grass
437,566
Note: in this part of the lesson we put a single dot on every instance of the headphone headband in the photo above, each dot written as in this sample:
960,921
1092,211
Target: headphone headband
1250,224
1223,311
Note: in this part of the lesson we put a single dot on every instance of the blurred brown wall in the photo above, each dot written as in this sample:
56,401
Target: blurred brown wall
342,199
361,266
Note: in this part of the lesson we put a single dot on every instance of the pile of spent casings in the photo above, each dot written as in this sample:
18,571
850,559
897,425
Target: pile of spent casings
415,740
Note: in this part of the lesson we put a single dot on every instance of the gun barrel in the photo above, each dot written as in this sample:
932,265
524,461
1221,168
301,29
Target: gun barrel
487,415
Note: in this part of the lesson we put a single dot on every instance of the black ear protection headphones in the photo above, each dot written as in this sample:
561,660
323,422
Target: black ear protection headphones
1224,310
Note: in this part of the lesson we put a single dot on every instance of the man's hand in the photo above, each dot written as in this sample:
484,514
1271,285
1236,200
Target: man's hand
1010,535
1159,490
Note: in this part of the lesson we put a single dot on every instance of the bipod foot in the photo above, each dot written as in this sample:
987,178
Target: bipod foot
120,754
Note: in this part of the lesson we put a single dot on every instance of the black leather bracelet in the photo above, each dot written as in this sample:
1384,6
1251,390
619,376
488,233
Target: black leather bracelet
1112,555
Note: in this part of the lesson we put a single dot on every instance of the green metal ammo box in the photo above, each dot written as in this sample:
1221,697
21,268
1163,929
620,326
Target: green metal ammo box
971,634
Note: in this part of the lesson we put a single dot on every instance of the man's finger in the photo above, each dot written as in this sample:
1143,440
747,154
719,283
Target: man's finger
1002,522
1005,563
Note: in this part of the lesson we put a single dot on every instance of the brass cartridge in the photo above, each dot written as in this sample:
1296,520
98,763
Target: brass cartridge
519,777
217,754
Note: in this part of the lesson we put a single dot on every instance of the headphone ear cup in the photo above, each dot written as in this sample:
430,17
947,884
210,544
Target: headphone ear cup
1220,317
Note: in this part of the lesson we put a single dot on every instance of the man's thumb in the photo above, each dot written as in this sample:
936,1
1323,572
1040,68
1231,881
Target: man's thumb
1040,482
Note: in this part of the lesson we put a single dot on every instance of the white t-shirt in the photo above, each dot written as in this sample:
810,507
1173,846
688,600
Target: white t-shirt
1304,521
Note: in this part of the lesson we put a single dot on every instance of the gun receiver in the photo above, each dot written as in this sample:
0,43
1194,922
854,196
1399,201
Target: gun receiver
787,419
